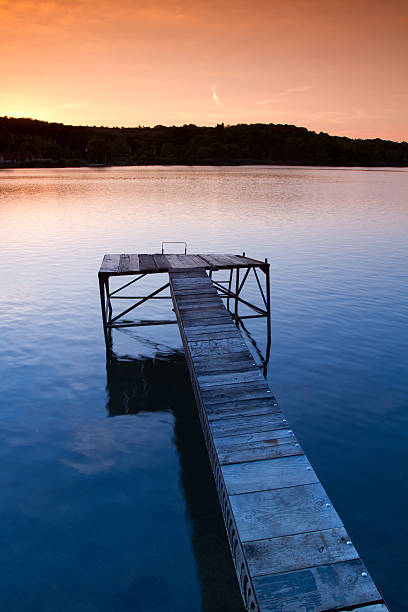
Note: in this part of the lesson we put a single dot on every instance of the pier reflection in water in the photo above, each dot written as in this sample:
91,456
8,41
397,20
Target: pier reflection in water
162,384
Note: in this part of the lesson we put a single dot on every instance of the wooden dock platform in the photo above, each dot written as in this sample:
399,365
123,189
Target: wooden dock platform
290,549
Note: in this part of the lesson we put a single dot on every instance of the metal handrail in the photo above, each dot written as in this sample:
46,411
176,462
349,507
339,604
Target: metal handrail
175,242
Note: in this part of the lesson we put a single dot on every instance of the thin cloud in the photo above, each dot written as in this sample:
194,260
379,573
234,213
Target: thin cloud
215,97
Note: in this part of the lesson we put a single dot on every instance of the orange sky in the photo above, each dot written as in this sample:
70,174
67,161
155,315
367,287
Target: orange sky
330,65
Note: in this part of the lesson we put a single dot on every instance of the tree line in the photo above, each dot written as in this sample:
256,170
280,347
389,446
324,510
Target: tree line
28,142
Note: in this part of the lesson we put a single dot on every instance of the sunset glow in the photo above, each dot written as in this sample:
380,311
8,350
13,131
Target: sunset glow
338,67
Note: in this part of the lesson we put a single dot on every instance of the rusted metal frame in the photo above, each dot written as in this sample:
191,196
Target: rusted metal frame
139,297
236,291
141,324
264,359
148,297
102,279
127,284
260,287
243,281
257,316
233,295
108,305
266,270
229,286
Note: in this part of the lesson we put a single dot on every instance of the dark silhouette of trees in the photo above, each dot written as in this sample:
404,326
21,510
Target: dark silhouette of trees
28,142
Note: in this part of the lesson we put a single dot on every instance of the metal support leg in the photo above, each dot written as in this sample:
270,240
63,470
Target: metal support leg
268,309
229,288
236,291
102,288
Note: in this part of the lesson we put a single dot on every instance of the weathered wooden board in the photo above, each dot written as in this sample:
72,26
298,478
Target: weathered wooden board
236,425
238,409
318,589
184,261
217,347
206,320
239,391
164,263
256,446
146,263
192,315
218,260
204,333
270,514
129,264
124,266
207,381
185,301
161,262
110,264
268,474
200,303
197,292
238,362
299,551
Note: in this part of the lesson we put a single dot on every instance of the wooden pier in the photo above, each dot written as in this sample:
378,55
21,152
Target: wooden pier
290,549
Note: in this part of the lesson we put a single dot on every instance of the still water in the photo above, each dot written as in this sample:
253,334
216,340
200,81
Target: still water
107,498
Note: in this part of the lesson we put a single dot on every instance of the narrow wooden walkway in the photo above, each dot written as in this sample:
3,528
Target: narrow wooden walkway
290,549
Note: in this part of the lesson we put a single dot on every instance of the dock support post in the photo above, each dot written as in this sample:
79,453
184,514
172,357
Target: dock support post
236,291
229,287
268,308
103,286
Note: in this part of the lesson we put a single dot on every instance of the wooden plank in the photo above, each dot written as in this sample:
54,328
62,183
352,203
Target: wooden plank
124,264
196,293
203,332
217,347
236,425
184,261
196,261
212,305
161,262
146,263
243,408
191,334
270,514
249,261
268,474
289,553
196,283
237,392
223,363
195,316
207,381
256,446
110,264
228,260
317,589
213,322
217,261
206,320
184,301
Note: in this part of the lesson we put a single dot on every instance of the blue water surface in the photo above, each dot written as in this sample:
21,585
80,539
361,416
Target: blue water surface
108,501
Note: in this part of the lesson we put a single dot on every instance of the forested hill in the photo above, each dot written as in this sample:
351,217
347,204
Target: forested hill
27,142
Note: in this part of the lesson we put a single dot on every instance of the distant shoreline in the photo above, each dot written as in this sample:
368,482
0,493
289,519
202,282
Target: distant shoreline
39,165
27,143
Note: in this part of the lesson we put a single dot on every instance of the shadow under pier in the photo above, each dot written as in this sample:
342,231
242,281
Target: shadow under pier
162,383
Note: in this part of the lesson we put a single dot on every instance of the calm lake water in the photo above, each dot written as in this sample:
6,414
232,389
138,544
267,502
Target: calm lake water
108,502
